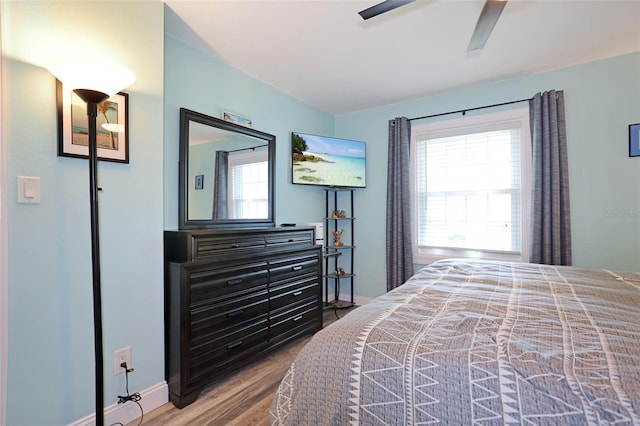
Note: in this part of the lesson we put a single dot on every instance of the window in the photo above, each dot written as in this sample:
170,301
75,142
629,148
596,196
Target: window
248,185
471,187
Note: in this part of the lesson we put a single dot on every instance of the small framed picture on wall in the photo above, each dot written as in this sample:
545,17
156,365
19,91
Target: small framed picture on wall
199,181
634,140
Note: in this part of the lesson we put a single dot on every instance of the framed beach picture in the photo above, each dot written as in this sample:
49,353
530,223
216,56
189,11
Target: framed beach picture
232,117
112,126
634,140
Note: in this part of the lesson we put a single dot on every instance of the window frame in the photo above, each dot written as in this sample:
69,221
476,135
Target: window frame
251,157
516,117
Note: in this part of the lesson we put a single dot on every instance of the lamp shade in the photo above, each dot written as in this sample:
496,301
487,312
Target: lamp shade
83,73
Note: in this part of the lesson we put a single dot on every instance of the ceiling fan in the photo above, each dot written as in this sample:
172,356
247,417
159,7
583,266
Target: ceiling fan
488,17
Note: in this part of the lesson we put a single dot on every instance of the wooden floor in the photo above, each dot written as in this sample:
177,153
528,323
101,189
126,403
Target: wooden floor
242,399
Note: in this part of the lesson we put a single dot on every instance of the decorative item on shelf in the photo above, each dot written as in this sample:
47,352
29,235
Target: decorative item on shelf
340,271
336,238
338,214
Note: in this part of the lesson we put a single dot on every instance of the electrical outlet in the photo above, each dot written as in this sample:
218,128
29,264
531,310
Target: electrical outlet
120,356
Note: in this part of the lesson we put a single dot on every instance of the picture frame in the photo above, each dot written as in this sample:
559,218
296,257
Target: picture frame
235,118
634,140
199,182
112,125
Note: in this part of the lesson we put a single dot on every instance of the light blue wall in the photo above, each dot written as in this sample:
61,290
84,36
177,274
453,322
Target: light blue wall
204,83
51,357
602,98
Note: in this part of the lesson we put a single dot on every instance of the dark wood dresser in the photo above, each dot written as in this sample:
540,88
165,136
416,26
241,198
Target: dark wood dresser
233,295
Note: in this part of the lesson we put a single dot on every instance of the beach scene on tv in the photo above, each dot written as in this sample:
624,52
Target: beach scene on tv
327,161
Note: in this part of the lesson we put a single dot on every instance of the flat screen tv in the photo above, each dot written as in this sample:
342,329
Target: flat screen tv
328,161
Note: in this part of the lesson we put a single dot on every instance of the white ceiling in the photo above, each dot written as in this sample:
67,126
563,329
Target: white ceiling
324,54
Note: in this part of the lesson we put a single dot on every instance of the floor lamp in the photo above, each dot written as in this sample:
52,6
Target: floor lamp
93,83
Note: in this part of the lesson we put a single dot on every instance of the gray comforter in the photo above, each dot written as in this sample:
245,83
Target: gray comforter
473,342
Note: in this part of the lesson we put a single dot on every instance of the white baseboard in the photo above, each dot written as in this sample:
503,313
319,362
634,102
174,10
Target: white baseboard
152,398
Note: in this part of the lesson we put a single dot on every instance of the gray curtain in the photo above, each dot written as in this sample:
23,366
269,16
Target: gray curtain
550,220
399,254
220,195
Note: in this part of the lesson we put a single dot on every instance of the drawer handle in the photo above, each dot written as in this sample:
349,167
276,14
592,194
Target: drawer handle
234,345
297,293
297,268
234,246
235,314
235,281
291,240
298,318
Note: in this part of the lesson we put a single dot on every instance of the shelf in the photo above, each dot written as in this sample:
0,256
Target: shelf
338,189
331,254
336,276
338,304
339,200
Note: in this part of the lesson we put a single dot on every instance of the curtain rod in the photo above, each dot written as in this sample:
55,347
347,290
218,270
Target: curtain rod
464,111
253,148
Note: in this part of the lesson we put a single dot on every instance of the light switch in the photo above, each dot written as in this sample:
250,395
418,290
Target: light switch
28,190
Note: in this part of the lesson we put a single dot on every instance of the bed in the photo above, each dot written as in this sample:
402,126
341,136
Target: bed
476,343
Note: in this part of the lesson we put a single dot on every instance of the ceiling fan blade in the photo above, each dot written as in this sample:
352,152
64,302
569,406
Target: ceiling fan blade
488,17
383,7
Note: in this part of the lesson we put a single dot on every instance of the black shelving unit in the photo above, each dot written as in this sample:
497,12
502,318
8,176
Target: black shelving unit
338,258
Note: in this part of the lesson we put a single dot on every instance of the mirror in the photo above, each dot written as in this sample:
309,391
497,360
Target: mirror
226,173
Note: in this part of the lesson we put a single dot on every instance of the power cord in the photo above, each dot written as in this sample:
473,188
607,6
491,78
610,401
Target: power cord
136,396
130,397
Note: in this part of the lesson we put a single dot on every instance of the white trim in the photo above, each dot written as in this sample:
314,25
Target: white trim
241,159
152,398
526,165
4,245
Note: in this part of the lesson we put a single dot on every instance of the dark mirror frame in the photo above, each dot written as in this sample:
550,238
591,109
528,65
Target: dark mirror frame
187,116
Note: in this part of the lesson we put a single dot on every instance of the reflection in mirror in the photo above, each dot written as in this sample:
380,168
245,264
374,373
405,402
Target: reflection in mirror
235,184
227,175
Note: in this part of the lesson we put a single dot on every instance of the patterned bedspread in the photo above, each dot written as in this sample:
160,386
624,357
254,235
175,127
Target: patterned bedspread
477,343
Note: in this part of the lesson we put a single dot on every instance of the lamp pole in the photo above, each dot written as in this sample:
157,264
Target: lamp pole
93,98
79,73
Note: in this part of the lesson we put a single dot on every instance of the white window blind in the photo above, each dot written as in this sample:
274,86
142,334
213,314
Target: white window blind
470,190
248,186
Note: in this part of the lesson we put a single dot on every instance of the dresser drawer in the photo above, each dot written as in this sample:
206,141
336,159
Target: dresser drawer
211,357
294,293
293,267
293,322
291,238
207,246
213,320
237,340
189,246
211,282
